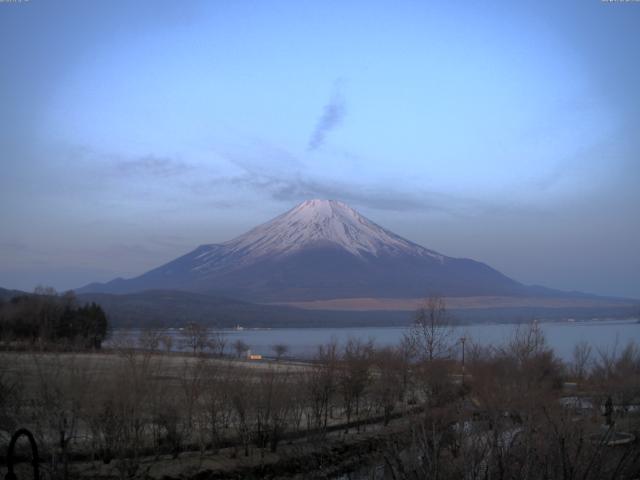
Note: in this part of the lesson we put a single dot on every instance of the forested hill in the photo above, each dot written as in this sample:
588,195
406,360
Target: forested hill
155,308
176,308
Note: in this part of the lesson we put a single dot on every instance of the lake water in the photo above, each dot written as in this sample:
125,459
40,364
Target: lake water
303,342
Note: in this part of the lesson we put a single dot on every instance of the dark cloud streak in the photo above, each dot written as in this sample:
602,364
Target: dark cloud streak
333,114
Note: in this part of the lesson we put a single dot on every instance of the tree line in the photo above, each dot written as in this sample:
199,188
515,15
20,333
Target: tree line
47,319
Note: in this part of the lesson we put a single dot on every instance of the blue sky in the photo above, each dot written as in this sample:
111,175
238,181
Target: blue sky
507,132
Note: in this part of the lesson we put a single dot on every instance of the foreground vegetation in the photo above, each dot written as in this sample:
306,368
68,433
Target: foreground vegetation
412,412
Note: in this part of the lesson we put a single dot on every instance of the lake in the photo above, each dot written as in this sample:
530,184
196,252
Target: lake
303,342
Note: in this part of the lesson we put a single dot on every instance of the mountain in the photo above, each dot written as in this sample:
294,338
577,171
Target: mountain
321,249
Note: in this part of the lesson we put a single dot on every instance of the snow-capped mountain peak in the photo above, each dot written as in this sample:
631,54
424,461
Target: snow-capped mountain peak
316,223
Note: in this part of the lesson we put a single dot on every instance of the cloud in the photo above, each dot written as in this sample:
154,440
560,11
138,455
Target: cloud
280,175
13,245
290,183
298,188
152,165
332,115
116,164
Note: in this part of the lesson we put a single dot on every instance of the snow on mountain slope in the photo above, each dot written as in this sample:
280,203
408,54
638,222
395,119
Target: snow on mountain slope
314,223
321,249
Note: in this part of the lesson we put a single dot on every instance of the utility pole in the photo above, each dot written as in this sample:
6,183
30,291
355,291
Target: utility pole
463,339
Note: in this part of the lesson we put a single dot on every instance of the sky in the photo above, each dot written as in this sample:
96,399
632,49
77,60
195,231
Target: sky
507,132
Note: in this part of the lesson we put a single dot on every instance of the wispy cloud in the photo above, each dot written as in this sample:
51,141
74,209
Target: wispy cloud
279,174
332,115
12,245
292,183
116,164
152,165
298,188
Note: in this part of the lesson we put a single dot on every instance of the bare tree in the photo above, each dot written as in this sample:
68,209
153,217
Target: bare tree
272,406
280,350
45,291
242,392
64,383
166,340
240,347
149,339
11,393
527,341
388,387
195,337
321,382
354,376
580,365
131,390
617,373
192,379
217,397
431,334
217,343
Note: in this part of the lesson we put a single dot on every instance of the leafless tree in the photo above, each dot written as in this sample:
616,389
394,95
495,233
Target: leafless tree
272,407
11,394
321,383
354,375
388,380
426,449
527,341
243,395
195,337
149,339
431,334
280,350
217,397
580,366
166,340
240,347
131,390
63,385
170,419
217,343
191,415
616,374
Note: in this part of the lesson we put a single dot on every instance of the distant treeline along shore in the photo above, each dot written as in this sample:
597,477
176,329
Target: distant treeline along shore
46,319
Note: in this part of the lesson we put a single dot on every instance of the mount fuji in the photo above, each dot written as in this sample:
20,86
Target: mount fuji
319,250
